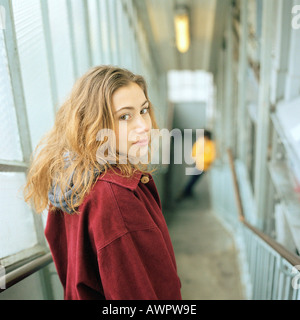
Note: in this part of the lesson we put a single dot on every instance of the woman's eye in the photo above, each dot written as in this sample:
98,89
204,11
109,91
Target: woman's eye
125,117
145,110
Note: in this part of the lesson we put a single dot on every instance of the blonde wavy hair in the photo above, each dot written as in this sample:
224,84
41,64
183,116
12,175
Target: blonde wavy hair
87,109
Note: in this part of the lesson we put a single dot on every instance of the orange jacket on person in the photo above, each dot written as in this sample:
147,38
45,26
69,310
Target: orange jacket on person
204,153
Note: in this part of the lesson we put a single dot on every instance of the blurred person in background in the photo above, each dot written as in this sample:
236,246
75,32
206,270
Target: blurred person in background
203,153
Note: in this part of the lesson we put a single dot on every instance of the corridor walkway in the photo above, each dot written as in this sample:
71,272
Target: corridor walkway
205,251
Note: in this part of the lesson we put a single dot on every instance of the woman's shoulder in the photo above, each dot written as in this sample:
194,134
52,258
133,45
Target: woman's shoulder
116,206
114,176
111,186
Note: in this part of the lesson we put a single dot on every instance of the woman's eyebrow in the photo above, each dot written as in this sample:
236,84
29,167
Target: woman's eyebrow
130,107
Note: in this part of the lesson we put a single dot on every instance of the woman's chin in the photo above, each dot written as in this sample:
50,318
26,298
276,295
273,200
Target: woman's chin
139,155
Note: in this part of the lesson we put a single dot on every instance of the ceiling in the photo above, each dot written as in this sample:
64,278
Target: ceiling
158,19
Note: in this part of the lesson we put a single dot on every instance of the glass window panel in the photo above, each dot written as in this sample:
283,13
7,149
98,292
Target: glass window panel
104,32
95,32
34,67
10,148
121,34
61,46
127,53
133,53
17,230
80,36
190,86
113,31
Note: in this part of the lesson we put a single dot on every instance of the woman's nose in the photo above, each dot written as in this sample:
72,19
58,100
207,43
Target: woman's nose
142,124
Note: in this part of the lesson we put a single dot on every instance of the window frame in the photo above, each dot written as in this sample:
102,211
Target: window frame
10,41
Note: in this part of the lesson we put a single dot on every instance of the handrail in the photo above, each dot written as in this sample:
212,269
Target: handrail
292,258
26,270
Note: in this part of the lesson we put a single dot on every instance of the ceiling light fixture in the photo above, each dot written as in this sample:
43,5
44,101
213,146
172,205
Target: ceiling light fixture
182,29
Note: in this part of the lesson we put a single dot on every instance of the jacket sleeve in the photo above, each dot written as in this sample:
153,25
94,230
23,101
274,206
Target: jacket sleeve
138,266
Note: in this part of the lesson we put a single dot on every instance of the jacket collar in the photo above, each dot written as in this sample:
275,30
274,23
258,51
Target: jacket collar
114,176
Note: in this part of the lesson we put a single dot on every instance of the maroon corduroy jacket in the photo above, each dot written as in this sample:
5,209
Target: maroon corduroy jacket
118,247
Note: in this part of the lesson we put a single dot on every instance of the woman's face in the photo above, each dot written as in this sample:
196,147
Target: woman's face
132,121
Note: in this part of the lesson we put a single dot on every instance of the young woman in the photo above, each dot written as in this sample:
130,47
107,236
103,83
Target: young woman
105,227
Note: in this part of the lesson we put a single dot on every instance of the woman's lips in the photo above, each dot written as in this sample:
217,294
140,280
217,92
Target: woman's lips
143,142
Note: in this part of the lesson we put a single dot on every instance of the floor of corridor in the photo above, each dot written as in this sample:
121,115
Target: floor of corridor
204,249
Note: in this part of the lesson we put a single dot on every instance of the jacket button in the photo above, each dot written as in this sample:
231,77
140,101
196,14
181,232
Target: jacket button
145,179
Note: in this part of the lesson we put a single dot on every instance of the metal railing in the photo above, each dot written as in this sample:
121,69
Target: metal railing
25,270
274,270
